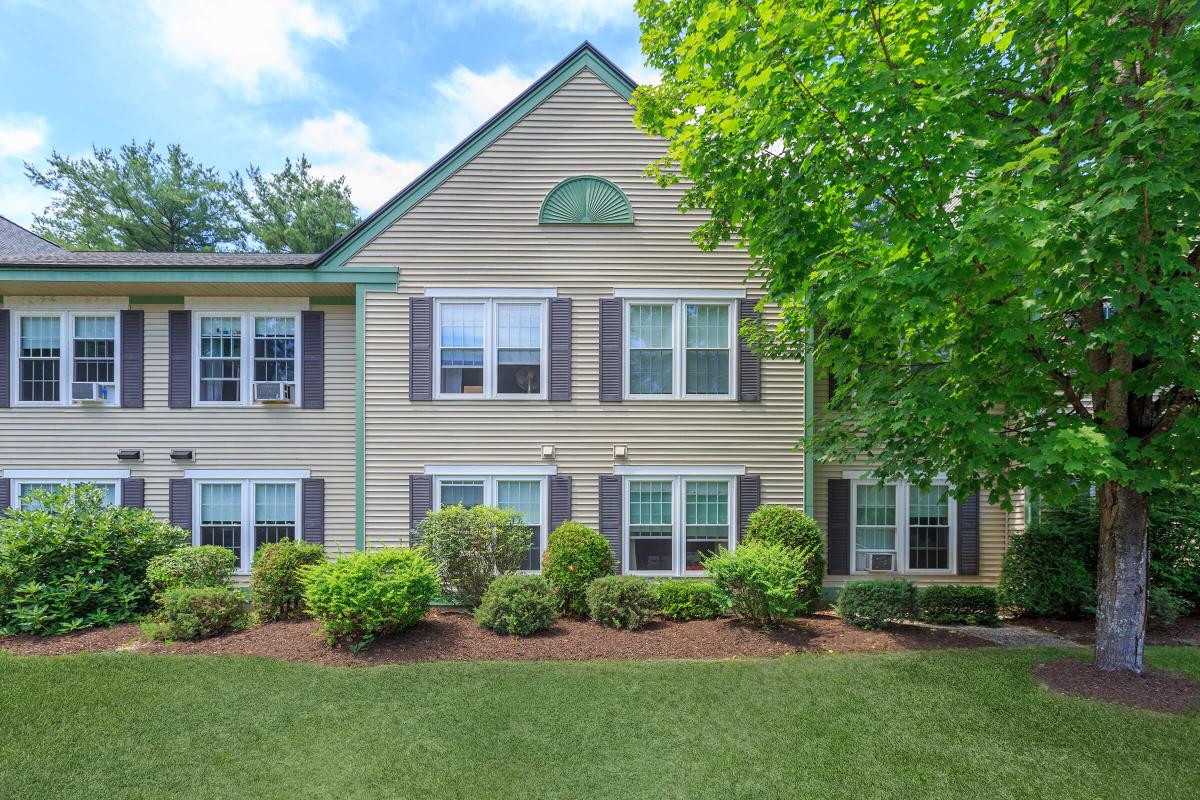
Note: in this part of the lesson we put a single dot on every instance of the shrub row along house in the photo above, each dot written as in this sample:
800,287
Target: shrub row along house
527,325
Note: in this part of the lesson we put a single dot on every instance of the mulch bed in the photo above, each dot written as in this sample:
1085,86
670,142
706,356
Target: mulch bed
1184,631
450,634
1153,690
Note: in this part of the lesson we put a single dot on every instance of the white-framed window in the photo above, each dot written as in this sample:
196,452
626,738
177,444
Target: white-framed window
672,522
902,527
23,483
63,357
245,514
680,348
525,493
491,348
246,358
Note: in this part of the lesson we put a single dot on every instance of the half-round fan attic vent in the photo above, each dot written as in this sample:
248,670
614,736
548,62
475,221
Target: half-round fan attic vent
586,200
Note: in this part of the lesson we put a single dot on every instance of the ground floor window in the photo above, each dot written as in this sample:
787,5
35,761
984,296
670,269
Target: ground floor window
23,489
902,527
524,494
674,522
243,515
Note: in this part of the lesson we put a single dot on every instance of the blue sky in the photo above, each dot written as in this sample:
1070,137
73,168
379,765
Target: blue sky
373,89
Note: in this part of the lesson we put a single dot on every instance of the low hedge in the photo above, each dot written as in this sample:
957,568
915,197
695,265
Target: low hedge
876,604
204,566
517,604
202,613
622,601
689,598
950,604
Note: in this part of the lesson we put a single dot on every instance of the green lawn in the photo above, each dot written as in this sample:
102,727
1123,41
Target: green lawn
917,725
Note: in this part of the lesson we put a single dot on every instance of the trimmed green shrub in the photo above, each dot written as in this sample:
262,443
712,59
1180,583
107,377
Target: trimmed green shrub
366,595
948,604
471,546
689,598
275,584
517,604
71,562
787,526
876,604
202,613
1050,569
622,601
1175,542
203,567
576,555
766,582
1164,607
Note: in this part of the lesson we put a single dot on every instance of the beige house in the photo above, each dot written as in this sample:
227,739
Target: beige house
527,324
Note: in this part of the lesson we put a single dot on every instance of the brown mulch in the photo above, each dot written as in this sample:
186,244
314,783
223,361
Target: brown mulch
1184,631
450,634
1153,690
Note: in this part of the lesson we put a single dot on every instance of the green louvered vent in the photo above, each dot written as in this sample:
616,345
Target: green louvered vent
586,200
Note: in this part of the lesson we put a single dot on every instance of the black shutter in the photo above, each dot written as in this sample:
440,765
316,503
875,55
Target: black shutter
133,492
838,550
749,364
420,348
560,500
133,338
5,495
312,362
610,516
560,349
611,338
5,355
181,503
749,497
312,505
420,503
179,358
968,535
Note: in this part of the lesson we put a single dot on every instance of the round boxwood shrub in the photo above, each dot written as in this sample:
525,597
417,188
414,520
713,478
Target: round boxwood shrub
622,601
201,613
689,598
517,604
876,604
949,604
203,567
275,584
69,562
366,595
767,582
787,526
576,555
471,546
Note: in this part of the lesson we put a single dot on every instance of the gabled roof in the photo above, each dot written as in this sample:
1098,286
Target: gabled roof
15,239
583,57
110,259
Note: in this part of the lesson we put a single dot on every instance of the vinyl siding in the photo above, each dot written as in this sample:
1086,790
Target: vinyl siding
322,440
480,229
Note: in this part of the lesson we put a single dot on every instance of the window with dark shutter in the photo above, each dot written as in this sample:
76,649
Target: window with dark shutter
610,517
420,348
133,337
968,536
611,338
749,497
560,500
560,349
838,527
312,503
133,492
749,364
5,344
180,500
5,495
179,359
312,372
420,503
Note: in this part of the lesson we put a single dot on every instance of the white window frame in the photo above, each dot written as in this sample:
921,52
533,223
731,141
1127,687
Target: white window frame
18,478
490,339
66,341
490,477
247,483
679,348
246,389
902,533
678,482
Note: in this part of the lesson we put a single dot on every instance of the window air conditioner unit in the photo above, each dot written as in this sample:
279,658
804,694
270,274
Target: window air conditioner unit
85,392
273,392
883,562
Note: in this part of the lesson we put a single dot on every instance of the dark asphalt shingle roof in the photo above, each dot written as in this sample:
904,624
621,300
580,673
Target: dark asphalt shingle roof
15,239
64,258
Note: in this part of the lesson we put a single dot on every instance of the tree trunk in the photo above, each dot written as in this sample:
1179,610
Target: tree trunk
1121,584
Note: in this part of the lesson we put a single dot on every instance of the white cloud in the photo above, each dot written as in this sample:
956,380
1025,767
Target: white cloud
572,16
22,135
466,99
246,43
340,144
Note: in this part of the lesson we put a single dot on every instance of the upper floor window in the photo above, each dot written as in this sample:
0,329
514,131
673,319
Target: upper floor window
680,349
491,348
246,358
674,522
65,357
901,527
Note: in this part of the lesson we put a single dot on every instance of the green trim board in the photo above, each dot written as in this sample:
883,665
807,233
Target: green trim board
156,299
370,274
584,57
